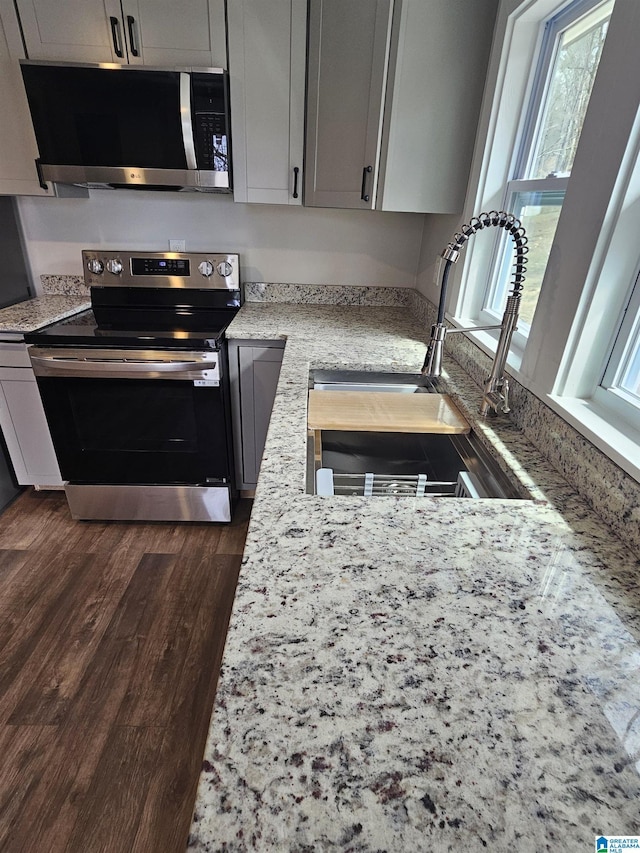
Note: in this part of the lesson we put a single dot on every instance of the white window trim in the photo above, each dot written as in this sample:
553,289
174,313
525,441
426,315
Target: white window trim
591,258
563,18
511,78
587,219
613,272
487,315
620,443
503,125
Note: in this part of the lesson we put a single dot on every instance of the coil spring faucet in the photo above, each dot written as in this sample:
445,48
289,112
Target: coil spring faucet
495,396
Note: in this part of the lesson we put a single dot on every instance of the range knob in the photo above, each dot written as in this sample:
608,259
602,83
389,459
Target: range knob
205,268
224,269
95,266
114,266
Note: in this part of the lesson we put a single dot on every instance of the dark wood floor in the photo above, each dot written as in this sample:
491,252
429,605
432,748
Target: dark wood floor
111,637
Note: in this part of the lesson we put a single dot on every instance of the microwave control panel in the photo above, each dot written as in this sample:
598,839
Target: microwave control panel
212,147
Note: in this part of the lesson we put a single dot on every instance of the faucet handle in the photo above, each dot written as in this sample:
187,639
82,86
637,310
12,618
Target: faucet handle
496,397
505,396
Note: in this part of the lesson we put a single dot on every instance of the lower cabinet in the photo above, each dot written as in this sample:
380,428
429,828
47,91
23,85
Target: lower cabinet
254,368
23,421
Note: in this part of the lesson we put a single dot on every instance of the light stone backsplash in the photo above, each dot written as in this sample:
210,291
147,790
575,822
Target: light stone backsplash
64,285
612,493
328,294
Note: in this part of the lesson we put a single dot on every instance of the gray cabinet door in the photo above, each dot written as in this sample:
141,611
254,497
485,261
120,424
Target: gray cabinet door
254,372
170,34
347,70
438,63
267,54
74,30
138,32
8,489
25,429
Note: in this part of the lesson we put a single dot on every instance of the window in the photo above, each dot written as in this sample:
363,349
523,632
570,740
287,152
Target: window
566,67
581,355
615,378
622,375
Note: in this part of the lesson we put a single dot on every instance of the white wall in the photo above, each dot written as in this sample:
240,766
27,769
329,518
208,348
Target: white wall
437,232
275,243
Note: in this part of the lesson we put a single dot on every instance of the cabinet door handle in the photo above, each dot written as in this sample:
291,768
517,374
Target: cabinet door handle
131,25
296,171
115,35
365,196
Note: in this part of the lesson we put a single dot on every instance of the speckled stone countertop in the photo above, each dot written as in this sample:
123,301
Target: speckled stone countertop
36,313
409,674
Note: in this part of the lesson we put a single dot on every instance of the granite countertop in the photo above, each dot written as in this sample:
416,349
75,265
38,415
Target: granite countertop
409,674
37,313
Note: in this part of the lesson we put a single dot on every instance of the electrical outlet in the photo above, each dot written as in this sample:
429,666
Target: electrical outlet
177,245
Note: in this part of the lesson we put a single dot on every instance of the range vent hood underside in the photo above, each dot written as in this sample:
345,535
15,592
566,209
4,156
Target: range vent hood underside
132,177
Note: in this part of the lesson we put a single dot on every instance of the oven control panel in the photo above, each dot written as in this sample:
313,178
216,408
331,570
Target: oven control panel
202,270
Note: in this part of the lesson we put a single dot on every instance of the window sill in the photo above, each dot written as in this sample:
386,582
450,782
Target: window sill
620,442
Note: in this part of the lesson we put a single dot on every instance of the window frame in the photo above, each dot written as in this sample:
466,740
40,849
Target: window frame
595,349
497,283
574,301
503,124
608,392
498,280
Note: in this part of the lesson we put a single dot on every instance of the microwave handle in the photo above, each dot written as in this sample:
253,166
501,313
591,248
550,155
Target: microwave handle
185,118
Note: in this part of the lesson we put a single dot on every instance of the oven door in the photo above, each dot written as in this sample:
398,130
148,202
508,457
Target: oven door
136,417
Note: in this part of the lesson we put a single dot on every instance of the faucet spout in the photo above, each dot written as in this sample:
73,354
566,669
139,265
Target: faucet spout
496,389
432,366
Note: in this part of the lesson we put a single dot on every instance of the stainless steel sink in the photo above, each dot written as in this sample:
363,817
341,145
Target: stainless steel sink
360,380
407,464
411,464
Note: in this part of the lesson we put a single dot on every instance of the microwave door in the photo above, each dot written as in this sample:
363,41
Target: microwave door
116,126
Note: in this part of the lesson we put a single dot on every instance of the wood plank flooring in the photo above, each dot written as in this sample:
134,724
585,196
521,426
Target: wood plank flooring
111,637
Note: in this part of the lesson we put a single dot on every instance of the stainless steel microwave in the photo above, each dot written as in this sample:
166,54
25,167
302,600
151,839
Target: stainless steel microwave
134,127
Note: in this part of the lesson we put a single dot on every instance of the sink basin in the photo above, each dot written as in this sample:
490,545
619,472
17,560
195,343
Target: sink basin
409,464
360,380
375,461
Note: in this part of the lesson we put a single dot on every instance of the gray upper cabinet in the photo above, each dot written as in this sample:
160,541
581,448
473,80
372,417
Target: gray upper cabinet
347,69
75,30
437,70
167,33
18,148
267,50
139,32
394,97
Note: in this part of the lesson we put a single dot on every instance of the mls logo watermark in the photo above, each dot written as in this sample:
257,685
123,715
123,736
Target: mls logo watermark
617,843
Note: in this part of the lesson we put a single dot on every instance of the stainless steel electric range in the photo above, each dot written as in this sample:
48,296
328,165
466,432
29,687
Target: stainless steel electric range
136,390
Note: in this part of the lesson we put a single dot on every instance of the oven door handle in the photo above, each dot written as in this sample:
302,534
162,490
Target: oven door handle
48,365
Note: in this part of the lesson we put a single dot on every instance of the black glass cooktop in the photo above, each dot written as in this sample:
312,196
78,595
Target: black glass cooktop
188,331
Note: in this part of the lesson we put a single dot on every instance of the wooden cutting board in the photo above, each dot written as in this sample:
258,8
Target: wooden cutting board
380,411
